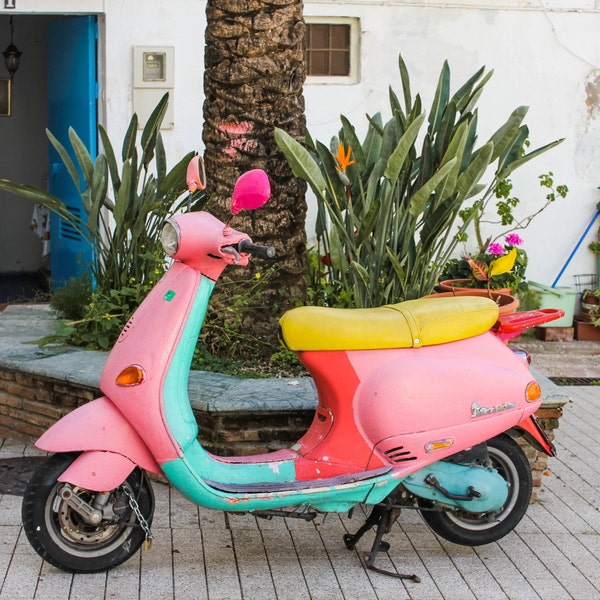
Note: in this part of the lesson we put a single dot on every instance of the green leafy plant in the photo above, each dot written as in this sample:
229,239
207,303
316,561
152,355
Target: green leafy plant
125,210
320,290
225,344
388,207
71,301
502,217
224,332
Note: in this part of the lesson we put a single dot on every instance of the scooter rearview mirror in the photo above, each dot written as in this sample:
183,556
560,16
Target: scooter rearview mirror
251,191
195,178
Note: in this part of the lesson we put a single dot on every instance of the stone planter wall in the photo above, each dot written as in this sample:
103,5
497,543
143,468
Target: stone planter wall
29,404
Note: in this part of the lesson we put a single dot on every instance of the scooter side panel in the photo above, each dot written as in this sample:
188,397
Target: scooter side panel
152,346
413,451
473,387
335,445
98,425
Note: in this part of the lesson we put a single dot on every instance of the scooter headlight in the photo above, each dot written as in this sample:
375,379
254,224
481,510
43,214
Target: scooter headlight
170,238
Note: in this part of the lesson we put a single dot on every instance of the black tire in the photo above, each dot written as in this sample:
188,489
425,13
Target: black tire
470,529
60,535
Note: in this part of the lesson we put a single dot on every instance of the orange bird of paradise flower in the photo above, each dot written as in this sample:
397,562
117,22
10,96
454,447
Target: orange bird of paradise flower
343,158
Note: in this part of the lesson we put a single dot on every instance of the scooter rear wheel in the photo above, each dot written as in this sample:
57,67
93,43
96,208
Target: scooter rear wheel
468,529
61,536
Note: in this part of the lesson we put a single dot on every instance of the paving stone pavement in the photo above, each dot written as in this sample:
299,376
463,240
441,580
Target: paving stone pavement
553,554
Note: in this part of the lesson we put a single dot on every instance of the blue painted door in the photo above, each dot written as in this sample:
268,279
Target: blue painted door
72,96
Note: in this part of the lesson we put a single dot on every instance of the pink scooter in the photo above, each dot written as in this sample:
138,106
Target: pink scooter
419,406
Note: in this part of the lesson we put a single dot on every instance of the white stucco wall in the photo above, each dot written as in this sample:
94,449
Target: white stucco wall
178,23
545,54
546,59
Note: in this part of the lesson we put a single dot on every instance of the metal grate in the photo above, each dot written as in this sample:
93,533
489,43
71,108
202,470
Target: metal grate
575,380
586,281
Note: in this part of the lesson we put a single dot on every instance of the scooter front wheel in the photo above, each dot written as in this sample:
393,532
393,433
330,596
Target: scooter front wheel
468,529
62,534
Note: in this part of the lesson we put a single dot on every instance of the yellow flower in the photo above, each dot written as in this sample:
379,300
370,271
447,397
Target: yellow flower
343,158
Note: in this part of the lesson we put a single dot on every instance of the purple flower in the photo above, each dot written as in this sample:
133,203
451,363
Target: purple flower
513,239
496,249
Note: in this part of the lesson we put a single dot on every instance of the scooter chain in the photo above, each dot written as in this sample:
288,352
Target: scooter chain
135,507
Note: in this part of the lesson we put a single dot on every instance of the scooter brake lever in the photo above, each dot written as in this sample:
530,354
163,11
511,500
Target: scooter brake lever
234,252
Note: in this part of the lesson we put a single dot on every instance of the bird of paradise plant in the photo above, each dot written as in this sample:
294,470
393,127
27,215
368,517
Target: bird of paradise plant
387,207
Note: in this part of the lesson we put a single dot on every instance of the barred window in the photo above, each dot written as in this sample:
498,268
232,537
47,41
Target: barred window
332,49
328,50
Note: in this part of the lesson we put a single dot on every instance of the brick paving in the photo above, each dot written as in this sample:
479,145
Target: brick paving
197,553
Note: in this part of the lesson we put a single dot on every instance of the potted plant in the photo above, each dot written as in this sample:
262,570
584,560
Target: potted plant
590,306
587,323
499,267
475,269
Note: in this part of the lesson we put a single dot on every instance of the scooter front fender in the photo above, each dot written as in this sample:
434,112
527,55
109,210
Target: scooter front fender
110,443
98,471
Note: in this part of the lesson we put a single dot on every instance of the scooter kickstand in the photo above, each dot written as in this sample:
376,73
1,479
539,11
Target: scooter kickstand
382,517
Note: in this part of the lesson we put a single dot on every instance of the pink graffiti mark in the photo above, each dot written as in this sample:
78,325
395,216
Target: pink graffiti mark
236,133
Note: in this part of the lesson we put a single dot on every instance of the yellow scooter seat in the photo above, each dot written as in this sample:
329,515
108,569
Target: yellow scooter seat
409,324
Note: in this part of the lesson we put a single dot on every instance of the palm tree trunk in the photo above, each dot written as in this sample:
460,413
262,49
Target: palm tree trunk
254,73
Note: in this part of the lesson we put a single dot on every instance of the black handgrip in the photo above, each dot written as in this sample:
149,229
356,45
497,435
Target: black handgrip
247,247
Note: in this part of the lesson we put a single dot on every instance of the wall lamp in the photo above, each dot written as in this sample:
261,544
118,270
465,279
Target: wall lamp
12,55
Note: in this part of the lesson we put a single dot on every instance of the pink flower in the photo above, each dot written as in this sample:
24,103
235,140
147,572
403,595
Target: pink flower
496,249
513,239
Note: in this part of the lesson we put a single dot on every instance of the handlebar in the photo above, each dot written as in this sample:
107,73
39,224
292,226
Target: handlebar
247,247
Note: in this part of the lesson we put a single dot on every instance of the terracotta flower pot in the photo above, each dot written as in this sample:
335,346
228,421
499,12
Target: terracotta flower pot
449,285
507,304
586,331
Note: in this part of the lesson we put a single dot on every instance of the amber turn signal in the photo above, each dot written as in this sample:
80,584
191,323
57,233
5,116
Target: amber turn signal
131,375
533,391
